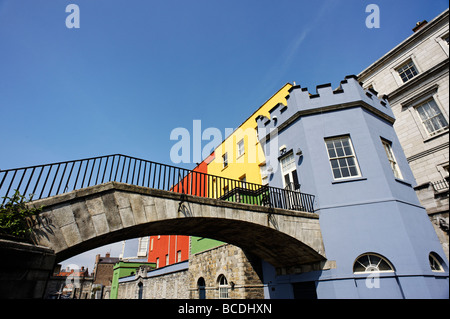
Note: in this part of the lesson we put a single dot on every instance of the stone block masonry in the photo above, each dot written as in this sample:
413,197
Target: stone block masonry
180,281
242,272
24,270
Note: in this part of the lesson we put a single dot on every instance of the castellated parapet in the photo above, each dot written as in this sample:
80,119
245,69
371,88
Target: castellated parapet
300,102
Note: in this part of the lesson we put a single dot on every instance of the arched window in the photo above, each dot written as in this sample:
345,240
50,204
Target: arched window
201,288
370,262
435,262
140,290
223,287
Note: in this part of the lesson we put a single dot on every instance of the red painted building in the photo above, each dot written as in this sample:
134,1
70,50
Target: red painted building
166,250
195,183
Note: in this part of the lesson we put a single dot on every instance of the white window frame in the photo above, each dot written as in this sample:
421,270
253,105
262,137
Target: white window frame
399,64
223,287
288,168
373,266
143,246
427,102
435,264
411,65
417,100
441,40
345,156
240,148
387,145
225,159
443,169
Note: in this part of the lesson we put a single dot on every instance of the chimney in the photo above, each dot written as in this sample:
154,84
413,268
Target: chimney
419,25
107,255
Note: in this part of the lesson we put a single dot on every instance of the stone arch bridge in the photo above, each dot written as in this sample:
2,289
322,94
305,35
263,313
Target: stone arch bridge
91,217
92,202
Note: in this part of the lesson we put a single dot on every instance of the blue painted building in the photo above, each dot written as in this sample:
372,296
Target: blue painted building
341,146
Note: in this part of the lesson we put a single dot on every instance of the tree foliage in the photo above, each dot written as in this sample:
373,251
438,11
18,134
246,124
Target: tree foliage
16,216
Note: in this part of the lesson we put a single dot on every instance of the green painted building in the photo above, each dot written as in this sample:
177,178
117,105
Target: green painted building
125,269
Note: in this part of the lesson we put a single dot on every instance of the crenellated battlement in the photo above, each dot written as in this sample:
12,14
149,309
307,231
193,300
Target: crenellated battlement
349,94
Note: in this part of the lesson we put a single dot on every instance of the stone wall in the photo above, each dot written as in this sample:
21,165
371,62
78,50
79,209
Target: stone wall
242,272
24,270
169,282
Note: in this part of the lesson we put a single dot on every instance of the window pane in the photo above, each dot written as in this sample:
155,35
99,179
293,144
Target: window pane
337,173
350,161
330,144
359,268
345,172
432,117
286,179
371,263
407,71
421,110
295,177
332,153
374,260
364,260
383,265
342,159
334,164
348,151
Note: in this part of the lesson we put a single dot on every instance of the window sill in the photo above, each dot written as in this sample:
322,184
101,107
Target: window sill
352,179
445,131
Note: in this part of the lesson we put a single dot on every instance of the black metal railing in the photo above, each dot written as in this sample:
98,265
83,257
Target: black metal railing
57,178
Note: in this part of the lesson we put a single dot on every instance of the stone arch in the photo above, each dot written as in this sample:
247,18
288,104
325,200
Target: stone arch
107,213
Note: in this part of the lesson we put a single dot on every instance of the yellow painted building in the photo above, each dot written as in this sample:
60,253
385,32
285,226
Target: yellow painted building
240,156
244,158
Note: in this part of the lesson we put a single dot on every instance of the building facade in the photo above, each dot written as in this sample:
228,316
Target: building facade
125,269
168,282
225,272
103,275
341,146
69,284
222,272
415,77
238,157
168,249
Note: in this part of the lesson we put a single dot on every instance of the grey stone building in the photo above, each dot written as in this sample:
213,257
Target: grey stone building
415,77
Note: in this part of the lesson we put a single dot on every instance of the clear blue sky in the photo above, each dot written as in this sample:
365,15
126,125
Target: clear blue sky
137,69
